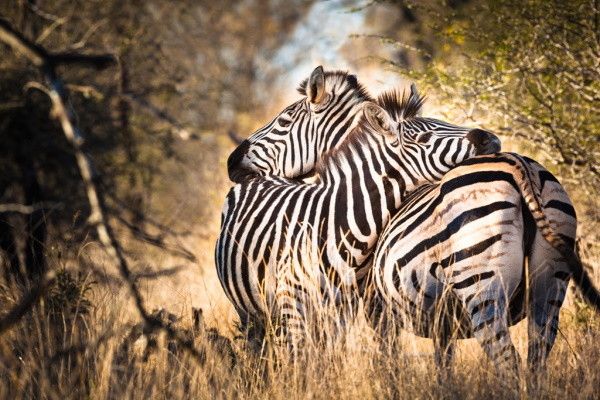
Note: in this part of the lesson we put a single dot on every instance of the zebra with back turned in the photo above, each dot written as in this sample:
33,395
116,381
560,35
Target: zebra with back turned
285,243
554,202
469,240
469,237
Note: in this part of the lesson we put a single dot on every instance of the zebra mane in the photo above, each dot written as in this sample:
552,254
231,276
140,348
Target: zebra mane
337,155
401,105
340,77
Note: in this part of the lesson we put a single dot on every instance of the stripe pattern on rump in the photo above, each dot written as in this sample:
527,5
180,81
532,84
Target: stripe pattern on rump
466,235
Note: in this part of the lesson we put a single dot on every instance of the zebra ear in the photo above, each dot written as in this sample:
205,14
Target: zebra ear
315,90
414,94
378,118
413,90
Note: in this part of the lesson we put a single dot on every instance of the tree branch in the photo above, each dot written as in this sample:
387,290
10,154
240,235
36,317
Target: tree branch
159,114
65,115
29,300
157,240
25,209
40,57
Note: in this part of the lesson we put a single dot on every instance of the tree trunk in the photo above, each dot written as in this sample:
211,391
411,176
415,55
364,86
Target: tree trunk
9,259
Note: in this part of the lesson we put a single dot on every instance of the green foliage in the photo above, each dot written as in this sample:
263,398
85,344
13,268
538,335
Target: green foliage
530,68
584,316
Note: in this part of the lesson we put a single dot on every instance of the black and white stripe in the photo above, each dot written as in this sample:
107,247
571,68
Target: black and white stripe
285,243
468,239
294,141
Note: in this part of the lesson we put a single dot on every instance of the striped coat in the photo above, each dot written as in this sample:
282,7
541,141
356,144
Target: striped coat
288,246
468,239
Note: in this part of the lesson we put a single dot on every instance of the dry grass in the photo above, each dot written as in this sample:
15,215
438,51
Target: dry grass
69,348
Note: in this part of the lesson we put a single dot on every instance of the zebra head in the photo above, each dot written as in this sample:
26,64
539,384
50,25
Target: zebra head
391,141
292,143
430,147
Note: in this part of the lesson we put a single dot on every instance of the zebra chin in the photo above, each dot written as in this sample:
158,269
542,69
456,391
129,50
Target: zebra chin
485,142
241,174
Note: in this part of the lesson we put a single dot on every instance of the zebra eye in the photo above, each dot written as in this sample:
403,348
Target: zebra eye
284,122
396,142
424,138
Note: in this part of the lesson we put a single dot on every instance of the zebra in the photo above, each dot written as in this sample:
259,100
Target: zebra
467,239
285,243
293,142
557,205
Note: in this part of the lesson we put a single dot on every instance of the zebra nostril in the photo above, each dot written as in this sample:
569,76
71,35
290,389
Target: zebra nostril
236,155
234,167
485,142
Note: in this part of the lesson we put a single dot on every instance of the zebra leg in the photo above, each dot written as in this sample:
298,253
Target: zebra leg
291,321
549,278
443,348
252,330
442,339
489,321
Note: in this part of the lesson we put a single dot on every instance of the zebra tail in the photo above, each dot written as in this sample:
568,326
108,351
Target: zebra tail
533,198
583,281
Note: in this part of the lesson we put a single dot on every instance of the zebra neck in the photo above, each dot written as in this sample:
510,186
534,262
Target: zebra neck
366,167
365,192
341,119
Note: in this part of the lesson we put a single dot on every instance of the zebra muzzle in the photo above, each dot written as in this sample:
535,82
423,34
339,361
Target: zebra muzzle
236,170
484,142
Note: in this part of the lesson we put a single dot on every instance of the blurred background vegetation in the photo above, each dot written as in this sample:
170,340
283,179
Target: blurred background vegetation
189,72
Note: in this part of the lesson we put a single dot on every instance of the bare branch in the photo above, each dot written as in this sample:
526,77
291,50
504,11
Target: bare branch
26,209
46,32
36,54
162,273
10,106
83,41
106,278
40,57
86,90
65,115
157,240
121,206
393,42
85,346
34,86
159,114
97,61
29,300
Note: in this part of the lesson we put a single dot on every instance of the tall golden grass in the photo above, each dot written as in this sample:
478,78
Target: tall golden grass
94,352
